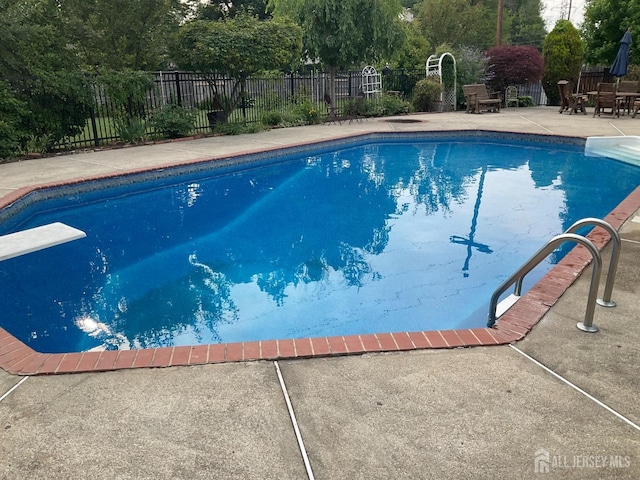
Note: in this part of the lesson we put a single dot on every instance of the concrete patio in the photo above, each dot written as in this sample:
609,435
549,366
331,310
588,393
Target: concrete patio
560,403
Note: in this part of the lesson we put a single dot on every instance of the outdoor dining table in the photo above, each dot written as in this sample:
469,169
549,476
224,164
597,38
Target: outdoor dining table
629,98
619,100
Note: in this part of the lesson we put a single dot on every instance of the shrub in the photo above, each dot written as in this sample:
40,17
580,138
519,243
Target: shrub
393,105
37,144
128,90
292,119
473,66
562,52
271,118
425,93
232,128
55,104
131,130
307,110
9,144
514,65
526,101
173,121
11,112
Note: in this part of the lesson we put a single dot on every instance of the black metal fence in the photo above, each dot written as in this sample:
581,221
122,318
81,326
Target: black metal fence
279,92
193,92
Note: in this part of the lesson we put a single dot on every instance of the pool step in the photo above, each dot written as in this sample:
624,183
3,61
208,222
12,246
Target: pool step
506,304
623,148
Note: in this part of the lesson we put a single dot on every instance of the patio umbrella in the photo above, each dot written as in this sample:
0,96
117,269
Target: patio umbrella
621,63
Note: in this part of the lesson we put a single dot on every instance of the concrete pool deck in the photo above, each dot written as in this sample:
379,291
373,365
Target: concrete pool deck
482,412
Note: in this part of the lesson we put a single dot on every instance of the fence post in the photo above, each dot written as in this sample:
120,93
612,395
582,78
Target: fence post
178,95
94,126
293,85
349,90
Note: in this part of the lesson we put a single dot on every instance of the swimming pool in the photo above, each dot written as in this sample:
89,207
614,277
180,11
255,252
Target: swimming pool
456,217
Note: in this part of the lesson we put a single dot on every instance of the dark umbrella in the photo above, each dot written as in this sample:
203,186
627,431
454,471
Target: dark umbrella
621,63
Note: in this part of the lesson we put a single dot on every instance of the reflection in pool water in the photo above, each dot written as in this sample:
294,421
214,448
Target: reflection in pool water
387,236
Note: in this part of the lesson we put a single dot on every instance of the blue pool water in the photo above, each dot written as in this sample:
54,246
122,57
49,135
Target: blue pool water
390,235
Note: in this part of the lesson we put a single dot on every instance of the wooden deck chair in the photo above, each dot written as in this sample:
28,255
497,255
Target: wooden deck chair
607,98
573,102
627,86
478,98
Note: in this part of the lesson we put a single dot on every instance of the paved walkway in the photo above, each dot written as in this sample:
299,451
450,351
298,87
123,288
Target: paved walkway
560,400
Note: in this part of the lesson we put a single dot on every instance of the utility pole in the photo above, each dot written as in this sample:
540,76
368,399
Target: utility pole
499,24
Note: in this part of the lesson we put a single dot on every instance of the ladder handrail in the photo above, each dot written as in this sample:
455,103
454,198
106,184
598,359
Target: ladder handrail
605,301
540,255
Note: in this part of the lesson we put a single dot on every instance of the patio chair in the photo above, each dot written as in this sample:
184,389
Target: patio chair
478,98
511,96
628,89
573,102
356,108
332,111
607,98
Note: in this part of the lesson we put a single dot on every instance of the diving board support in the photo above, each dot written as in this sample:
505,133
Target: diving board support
38,238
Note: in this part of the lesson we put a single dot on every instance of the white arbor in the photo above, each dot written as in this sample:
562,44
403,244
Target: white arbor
434,69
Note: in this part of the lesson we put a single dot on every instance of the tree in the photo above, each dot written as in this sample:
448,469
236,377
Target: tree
605,21
236,48
470,23
341,33
45,97
220,9
457,22
121,34
562,52
513,65
527,25
416,49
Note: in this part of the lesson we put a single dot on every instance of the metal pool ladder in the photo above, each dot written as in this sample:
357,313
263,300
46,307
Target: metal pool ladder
550,246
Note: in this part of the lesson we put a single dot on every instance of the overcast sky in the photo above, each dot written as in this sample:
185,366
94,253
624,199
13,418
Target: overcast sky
557,9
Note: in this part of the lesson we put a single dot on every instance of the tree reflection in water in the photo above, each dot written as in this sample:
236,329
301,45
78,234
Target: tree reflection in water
368,233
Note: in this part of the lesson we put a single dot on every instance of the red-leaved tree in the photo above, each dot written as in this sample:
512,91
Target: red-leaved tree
513,65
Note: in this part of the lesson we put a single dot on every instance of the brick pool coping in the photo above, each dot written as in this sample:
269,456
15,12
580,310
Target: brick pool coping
513,325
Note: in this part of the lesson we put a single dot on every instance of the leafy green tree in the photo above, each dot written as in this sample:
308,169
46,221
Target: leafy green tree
121,34
473,24
415,51
563,53
31,39
605,22
219,9
527,24
457,22
12,111
236,48
127,91
44,95
341,33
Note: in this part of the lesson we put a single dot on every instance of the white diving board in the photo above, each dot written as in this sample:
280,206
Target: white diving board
623,148
38,238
